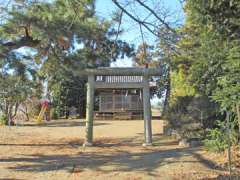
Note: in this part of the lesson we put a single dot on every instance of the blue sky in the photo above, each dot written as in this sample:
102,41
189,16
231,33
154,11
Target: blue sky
131,34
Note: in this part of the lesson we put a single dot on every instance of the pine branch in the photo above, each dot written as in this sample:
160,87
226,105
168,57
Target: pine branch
24,41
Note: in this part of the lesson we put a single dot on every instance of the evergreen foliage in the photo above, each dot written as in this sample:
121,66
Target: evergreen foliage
48,42
208,56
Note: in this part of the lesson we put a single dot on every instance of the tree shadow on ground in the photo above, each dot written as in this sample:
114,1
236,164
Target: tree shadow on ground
61,143
224,177
63,123
10,179
119,158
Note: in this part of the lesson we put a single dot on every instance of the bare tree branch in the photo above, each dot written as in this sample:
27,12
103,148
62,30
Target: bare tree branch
155,14
143,42
119,25
143,23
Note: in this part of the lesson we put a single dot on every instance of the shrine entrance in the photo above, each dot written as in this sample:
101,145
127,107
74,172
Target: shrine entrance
119,79
122,104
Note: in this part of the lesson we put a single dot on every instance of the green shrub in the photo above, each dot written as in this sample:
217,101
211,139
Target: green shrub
217,138
54,114
3,119
191,115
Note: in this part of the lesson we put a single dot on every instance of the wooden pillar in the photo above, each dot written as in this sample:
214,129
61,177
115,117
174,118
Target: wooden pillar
147,113
89,111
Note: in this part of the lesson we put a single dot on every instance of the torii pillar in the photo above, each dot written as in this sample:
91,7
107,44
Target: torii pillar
147,112
89,111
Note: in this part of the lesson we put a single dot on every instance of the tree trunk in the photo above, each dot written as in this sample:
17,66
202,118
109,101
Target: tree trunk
25,112
9,114
6,107
66,112
167,96
15,109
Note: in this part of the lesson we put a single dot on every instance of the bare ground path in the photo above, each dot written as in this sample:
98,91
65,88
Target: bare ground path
54,151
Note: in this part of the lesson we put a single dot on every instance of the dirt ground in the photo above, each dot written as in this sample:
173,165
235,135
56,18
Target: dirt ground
54,151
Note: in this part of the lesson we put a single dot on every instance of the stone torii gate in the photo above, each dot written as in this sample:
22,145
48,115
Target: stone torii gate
92,85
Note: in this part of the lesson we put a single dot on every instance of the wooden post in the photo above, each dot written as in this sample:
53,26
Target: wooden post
147,113
238,117
89,111
229,145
